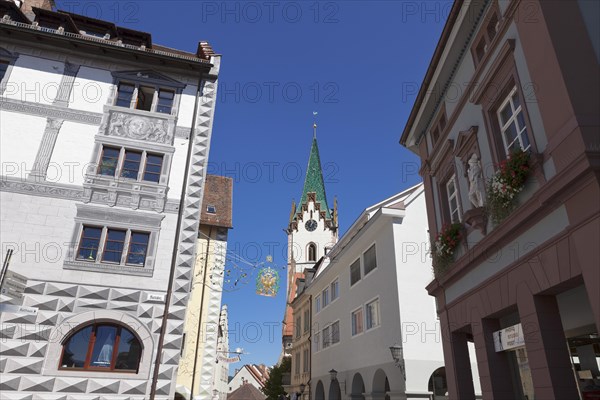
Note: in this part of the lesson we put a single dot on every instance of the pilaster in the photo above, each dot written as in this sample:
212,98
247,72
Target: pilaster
42,159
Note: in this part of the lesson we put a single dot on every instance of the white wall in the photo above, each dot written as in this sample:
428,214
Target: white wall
20,137
34,79
245,375
91,89
72,153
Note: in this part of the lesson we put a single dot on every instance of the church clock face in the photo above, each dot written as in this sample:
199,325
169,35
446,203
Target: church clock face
311,225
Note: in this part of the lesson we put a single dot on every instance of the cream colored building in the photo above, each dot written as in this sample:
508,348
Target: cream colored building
198,367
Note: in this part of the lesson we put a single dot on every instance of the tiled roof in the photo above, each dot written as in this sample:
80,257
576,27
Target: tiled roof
313,182
246,392
48,21
218,194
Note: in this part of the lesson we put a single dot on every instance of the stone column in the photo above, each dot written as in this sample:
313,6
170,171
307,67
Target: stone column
494,370
547,350
66,85
42,159
457,362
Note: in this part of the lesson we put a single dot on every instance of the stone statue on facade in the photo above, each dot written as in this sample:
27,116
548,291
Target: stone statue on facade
476,182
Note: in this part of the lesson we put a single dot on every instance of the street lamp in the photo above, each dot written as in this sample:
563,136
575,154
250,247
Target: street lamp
302,387
333,374
396,351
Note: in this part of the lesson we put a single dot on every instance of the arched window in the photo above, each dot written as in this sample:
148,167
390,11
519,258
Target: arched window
102,347
312,252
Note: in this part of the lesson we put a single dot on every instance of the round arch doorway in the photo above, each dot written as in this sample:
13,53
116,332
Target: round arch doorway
319,391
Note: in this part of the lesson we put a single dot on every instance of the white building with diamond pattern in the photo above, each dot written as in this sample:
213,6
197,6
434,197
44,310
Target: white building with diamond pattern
101,134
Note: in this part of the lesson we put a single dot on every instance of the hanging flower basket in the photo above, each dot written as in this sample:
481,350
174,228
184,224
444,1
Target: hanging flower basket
507,182
444,246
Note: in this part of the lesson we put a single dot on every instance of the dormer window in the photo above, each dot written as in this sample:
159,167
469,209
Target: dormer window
211,209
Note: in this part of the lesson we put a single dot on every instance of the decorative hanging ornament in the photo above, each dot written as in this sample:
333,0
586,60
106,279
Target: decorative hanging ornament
267,282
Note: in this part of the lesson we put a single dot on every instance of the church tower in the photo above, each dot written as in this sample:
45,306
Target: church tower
312,230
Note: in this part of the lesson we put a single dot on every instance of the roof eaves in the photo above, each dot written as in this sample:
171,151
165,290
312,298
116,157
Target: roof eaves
433,64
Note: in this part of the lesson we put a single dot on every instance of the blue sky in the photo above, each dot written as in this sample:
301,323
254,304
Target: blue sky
358,63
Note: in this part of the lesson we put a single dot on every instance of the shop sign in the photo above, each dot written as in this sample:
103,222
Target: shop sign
509,338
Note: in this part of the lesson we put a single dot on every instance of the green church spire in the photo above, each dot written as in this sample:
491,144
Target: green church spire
314,179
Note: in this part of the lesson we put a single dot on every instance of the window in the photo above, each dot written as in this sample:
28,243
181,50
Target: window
335,332
90,243
317,304
297,363
438,127
325,296
335,290
355,272
113,249
138,248
112,242
512,123
317,341
132,162
109,161
3,68
370,259
453,203
305,360
153,168
357,322
306,320
326,337
372,311
144,97
102,347
125,94
298,327
486,35
312,252
165,101
211,209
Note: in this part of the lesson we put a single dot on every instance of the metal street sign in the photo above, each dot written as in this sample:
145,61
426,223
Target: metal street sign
14,309
13,285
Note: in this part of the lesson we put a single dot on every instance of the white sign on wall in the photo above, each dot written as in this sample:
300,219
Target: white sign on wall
13,285
509,338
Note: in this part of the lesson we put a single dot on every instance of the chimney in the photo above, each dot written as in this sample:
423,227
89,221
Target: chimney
27,6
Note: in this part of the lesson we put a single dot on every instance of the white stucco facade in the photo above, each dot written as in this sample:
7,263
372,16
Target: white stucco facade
387,305
52,135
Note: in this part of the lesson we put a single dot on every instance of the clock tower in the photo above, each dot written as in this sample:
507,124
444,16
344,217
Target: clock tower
312,230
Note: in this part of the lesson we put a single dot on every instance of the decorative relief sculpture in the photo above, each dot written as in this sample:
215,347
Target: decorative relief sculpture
140,128
476,182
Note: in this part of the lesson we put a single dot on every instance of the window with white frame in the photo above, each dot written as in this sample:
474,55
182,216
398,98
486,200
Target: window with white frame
355,272
131,164
357,322
325,297
145,97
326,337
372,314
370,258
453,203
317,304
511,119
317,341
119,246
335,332
335,289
